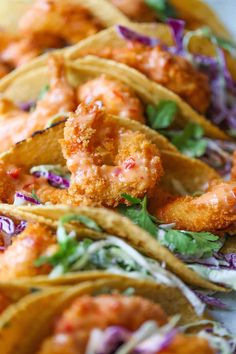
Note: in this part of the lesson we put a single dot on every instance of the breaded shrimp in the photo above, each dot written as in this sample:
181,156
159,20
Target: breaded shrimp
17,125
4,302
60,98
20,51
172,71
13,125
106,159
87,313
67,20
47,193
136,10
117,98
213,211
18,259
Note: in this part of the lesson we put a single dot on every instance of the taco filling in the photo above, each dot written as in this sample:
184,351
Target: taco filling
112,326
205,83
59,98
46,25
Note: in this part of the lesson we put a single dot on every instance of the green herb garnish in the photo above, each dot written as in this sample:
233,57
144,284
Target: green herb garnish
34,195
163,8
190,141
197,244
162,115
139,214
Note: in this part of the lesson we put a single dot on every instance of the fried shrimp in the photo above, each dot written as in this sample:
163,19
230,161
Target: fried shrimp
68,21
17,125
136,10
212,211
106,159
18,259
60,98
172,71
117,98
20,51
74,327
13,125
87,313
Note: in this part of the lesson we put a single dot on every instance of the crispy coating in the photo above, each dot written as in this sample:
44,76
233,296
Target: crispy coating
136,10
87,313
116,97
47,193
17,125
213,211
4,302
172,71
106,159
18,259
63,19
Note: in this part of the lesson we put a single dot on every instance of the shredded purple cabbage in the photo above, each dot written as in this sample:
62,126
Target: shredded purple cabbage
55,180
128,34
156,343
210,300
9,229
26,106
218,155
24,197
222,110
113,338
177,29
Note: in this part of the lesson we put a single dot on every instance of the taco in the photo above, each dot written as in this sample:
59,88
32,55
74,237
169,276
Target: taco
209,255
11,293
73,248
30,28
122,91
195,13
181,66
91,165
59,328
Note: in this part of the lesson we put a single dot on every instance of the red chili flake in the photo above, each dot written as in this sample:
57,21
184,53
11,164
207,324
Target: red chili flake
129,163
14,173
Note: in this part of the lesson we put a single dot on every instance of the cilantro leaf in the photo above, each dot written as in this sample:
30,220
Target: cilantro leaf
139,214
187,243
190,141
163,8
162,115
